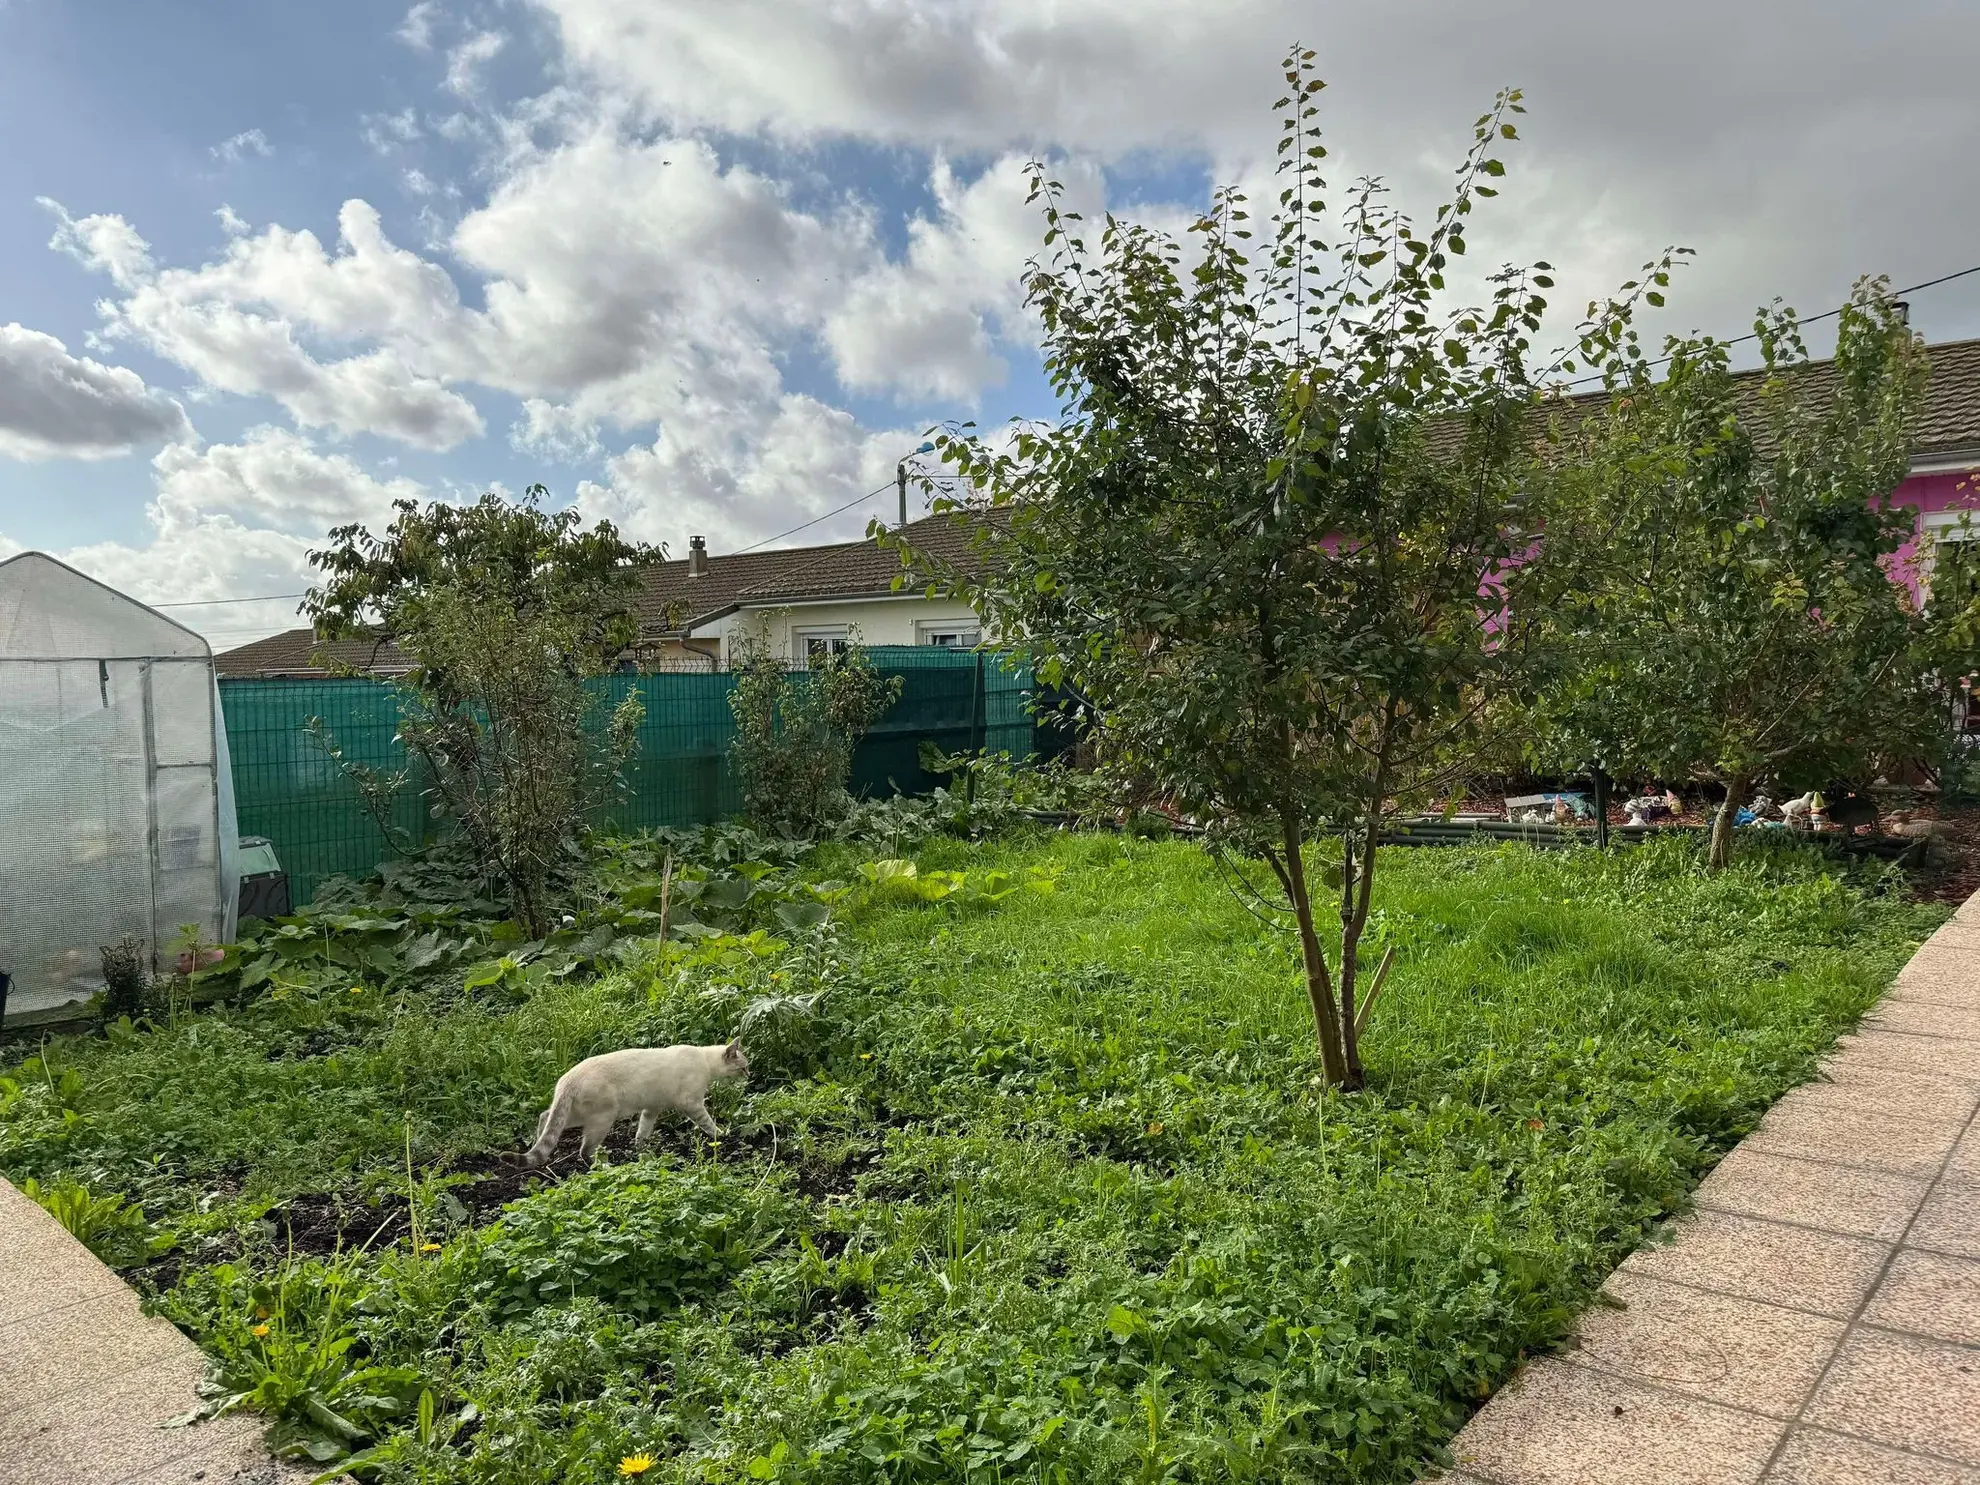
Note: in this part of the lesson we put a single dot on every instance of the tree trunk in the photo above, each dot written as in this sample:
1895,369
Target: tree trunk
1326,1020
1353,920
1722,823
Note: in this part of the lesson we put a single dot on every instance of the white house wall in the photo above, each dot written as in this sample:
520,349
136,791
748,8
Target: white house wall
878,621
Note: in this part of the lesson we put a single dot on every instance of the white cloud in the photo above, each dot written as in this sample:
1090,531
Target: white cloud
229,323
277,478
235,520
416,30
235,148
385,132
104,242
464,62
195,555
231,221
57,406
931,323
739,483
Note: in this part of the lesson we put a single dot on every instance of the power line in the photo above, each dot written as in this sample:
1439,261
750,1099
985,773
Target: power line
1827,314
812,522
210,602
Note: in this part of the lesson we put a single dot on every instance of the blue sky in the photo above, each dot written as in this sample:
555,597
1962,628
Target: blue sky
712,269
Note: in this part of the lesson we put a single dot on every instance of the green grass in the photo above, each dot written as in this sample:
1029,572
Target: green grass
1044,1191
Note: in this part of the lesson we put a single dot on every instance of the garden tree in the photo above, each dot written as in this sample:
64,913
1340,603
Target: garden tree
505,610
1719,593
795,734
1266,535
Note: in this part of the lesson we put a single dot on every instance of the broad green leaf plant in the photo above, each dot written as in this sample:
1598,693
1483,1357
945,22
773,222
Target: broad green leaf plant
1267,535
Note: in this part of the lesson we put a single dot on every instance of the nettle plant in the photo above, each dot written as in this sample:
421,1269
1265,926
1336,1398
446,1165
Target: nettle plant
1271,535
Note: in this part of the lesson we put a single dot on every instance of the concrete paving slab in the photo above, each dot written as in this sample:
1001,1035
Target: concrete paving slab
1965,1163
1903,1392
1949,1219
1814,1456
1561,1424
1751,1182
87,1379
1906,1053
1824,1126
1921,1018
1797,1268
1929,1294
1736,1352
1939,977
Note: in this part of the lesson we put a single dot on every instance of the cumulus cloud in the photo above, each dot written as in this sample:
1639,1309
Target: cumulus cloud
234,520
54,405
795,461
235,148
277,478
229,322
931,323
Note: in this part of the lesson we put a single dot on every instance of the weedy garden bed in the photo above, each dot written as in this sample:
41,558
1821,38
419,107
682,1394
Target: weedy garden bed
1032,1180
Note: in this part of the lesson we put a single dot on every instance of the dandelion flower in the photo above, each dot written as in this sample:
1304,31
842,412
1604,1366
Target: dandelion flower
865,1056
1156,1127
429,1247
357,989
635,1464
261,1331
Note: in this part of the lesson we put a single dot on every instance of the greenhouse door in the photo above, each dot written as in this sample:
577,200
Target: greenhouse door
74,773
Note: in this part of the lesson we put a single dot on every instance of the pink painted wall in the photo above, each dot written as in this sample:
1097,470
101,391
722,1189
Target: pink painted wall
1929,494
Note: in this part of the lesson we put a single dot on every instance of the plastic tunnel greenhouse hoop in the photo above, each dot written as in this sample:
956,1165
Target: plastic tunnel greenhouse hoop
115,782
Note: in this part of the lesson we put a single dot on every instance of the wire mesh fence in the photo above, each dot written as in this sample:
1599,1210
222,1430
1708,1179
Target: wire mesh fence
289,789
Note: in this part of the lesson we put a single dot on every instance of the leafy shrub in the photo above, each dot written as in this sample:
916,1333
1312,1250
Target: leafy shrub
505,611
644,1238
795,734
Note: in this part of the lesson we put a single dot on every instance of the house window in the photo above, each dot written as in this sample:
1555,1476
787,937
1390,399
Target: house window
949,634
810,644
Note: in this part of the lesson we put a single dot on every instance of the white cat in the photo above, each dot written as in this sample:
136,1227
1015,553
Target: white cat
602,1090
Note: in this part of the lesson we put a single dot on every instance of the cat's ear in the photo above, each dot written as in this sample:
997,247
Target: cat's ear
732,1051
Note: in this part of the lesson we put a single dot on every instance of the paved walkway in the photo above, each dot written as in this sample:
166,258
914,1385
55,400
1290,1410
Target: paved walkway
1817,1322
86,1378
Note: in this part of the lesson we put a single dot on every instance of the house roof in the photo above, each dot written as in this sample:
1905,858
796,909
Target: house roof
675,603
1948,421
670,603
295,652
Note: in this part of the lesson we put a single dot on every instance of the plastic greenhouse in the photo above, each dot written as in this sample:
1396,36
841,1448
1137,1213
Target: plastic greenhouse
115,791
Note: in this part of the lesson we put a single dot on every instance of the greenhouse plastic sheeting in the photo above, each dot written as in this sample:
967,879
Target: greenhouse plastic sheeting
288,788
113,783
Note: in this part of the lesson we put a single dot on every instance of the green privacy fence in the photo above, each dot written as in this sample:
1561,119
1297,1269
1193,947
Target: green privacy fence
288,789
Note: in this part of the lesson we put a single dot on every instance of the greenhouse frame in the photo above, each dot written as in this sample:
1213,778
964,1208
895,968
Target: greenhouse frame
114,784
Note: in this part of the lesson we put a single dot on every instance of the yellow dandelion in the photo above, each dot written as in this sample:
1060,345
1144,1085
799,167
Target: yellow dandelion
865,1056
1156,1127
357,989
635,1464
429,1247
261,1331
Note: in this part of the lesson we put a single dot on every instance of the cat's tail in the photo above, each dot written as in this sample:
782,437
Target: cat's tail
549,1129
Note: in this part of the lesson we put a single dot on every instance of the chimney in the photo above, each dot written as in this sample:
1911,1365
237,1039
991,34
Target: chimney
1903,309
697,556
